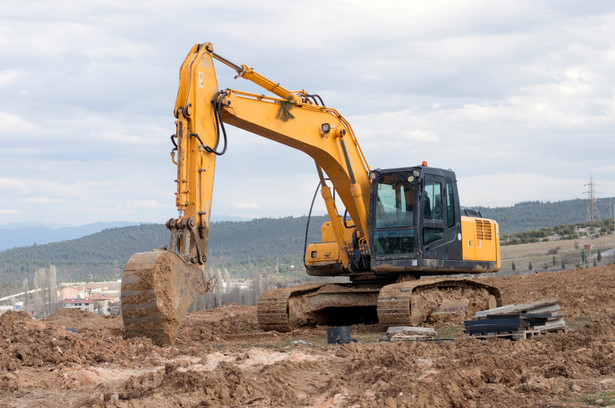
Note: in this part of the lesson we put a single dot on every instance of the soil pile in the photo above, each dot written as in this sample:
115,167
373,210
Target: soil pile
222,359
86,340
580,292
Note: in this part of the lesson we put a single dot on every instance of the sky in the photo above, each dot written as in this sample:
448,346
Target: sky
518,97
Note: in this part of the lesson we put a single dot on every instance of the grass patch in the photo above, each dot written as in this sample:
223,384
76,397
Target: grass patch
285,344
603,399
367,337
578,323
452,332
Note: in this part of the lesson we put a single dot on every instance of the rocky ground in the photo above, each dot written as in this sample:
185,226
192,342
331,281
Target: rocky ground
222,359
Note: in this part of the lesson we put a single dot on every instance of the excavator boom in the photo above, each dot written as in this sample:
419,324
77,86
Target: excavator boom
201,109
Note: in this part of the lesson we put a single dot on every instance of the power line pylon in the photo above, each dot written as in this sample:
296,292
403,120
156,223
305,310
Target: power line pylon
592,208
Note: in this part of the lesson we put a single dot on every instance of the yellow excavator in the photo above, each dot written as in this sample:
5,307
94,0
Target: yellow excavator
402,232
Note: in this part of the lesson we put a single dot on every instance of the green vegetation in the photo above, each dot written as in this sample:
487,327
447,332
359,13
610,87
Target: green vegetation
266,245
603,399
100,256
276,241
239,246
533,215
451,332
9,288
574,231
576,324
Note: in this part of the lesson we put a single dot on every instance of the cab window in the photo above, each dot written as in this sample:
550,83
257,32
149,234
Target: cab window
433,201
395,201
394,220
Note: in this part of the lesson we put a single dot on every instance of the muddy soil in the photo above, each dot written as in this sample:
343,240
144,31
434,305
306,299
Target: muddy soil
221,358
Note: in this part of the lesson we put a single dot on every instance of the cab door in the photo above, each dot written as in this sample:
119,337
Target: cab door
440,218
433,210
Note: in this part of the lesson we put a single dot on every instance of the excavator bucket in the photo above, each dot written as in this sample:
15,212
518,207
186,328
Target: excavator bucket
157,289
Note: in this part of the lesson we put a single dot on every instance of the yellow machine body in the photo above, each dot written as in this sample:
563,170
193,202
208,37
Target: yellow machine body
481,240
301,121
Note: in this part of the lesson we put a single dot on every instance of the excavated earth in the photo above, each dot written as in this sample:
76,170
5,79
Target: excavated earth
221,358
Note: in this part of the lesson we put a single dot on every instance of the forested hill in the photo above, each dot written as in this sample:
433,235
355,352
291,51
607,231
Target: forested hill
534,215
265,242
103,255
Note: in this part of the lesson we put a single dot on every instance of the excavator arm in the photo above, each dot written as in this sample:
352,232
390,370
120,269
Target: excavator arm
158,287
290,118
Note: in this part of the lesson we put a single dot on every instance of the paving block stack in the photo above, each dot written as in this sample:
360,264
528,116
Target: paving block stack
520,321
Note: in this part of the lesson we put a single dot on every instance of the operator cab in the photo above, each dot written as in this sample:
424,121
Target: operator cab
415,220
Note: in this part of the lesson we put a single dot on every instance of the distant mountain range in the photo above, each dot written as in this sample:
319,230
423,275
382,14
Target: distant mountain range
102,255
26,234
534,215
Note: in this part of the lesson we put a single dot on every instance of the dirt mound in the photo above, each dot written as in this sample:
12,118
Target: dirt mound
31,343
221,358
219,324
580,293
87,322
546,371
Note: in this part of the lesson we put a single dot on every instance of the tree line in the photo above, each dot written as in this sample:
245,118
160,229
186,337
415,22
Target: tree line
268,244
534,215
574,231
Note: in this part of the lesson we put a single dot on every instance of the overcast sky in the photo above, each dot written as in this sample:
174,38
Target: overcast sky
518,97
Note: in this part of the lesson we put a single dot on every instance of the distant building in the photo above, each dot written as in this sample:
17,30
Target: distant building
72,292
241,284
94,297
79,304
95,289
102,302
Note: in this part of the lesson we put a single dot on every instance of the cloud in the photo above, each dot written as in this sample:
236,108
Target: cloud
140,204
493,190
252,206
16,122
45,200
9,77
516,97
12,183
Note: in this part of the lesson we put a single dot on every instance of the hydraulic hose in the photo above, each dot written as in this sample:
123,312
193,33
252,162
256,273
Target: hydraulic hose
307,227
217,101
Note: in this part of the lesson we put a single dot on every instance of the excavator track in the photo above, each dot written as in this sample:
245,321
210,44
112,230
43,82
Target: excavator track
273,307
157,289
413,302
405,303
